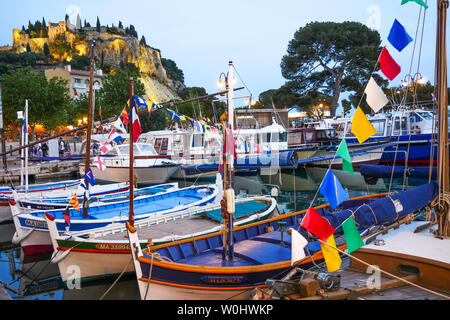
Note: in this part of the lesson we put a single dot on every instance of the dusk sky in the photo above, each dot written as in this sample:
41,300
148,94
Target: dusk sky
201,36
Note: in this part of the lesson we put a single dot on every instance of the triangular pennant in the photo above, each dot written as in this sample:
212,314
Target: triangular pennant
332,190
66,215
352,236
361,127
345,155
375,96
298,243
331,255
317,225
420,2
388,66
398,36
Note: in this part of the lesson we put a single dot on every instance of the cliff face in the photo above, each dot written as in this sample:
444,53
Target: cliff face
116,50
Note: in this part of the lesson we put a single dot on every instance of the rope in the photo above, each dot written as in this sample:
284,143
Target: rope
118,278
387,273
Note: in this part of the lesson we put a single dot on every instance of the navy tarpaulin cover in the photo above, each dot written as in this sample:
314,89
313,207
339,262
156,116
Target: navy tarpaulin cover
387,209
370,171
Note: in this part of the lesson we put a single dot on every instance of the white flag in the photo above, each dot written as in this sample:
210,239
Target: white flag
99,163
119,125
298,243
375,98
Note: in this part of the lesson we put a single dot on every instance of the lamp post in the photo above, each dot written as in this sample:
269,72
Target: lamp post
2,129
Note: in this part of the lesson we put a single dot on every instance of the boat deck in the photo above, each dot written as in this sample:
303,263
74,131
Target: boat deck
207,220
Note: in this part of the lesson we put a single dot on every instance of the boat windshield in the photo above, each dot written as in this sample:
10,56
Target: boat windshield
379,125
138,150
425,115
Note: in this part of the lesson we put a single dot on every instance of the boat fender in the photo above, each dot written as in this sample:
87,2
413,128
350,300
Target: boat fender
230,200
17,239
58,258
204,190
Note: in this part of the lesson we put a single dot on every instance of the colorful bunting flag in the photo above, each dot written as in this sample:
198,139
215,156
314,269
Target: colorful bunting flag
345,155
119,125
375,96
317,225
298,243
398,36
331,255
361,127
99,164
199,126
420,2
114,136
352,236
388,66
136,126
124,115
106,147
74,202
173,115
140,102
89,176
332,190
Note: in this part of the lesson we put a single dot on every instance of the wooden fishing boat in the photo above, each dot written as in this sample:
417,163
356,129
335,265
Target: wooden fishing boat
194,269
32,232
106,252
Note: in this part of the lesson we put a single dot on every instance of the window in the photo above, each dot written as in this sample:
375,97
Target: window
197,140
77,81
379,126
404,127
396,126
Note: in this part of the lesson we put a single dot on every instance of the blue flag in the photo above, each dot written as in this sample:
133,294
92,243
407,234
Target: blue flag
140,102
89,176
398,36
332,190
173,115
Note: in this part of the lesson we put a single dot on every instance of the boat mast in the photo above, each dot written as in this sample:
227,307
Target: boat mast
131,158
230,161
442,101
89,130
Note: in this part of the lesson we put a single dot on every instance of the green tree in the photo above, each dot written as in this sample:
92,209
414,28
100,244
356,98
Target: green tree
98,25
115,92
332,58
47,99
46,49
143,42
172,70
208,108
156,121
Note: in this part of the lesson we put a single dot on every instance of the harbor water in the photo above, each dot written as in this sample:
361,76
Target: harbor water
37,278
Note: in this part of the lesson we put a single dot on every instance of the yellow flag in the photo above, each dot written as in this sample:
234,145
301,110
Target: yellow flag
361,127
332,258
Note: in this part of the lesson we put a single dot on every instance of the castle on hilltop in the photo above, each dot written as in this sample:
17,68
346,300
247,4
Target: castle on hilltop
70,32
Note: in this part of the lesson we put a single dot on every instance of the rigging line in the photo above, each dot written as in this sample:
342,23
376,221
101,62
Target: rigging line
115,282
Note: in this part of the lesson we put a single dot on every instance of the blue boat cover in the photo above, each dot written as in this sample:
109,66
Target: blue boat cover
387,209
377,171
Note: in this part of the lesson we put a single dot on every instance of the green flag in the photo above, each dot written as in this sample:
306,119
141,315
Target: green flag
351,234
421,2
345,155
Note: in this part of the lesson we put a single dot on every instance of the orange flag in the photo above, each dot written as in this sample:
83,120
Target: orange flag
74,203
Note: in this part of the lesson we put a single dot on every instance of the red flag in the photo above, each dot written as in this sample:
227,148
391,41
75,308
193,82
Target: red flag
317,225
66,216
137,130
388,66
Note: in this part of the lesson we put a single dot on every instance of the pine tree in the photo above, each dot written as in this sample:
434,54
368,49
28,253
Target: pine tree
28,47
98,25
44,28
46,49
120,25
143,42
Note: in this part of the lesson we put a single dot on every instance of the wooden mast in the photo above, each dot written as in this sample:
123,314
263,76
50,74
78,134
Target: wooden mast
442,102
89,130
230,161
131,160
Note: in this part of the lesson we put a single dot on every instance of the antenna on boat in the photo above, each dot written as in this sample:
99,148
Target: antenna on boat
89,130
442,101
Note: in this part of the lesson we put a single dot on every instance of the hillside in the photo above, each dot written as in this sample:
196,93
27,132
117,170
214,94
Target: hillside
115,48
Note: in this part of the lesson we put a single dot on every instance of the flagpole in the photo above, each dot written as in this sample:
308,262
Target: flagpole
89,131
25,131
131,158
